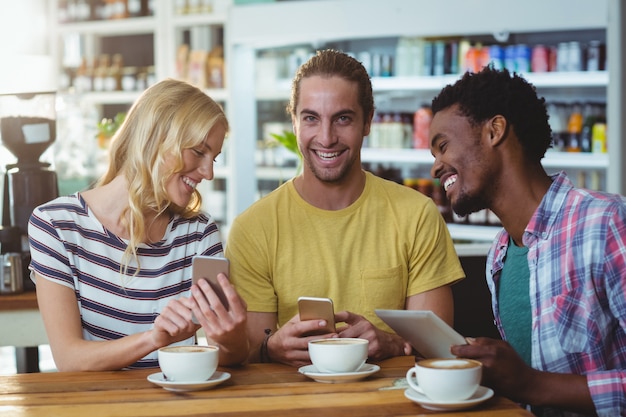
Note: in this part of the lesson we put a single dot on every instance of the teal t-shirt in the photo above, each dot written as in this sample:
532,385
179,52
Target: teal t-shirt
514,300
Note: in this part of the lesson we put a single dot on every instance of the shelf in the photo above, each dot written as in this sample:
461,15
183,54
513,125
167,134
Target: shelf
217,94
581,79
275,173
407,86
200,19
105,97
475,233
472,249
552,159
117,27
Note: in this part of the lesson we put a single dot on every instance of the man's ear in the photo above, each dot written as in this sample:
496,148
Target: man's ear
368,123
498,128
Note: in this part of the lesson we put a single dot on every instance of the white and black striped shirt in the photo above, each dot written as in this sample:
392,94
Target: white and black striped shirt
70,246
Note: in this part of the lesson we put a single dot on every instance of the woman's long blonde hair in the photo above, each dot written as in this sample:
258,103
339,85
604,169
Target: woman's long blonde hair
168,117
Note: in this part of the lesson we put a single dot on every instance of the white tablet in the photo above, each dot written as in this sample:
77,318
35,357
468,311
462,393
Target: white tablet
424,330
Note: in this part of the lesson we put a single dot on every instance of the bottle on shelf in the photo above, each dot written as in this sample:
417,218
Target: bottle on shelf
421,127
590,117
100,73
83,78
574,129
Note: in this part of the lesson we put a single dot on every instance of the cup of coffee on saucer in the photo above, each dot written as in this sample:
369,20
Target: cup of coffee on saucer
445,379
188,363
338,355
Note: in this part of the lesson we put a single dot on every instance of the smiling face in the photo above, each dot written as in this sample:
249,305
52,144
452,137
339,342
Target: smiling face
330,127
462,160
197,166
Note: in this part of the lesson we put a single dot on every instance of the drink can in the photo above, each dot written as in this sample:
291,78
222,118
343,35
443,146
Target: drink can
421,127
594,56
366,59
562,57
439,53
471,59
376,65
428,58
539,61
386,66
598,138
575,60
509,57
496,56
451,64
552,58
522,58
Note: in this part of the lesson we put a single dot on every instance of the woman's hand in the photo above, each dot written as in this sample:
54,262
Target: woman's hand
223,326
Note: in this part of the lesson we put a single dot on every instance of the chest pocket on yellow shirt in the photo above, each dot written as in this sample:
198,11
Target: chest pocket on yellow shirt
383,288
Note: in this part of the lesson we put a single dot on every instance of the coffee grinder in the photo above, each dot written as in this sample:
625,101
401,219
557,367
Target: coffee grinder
27,129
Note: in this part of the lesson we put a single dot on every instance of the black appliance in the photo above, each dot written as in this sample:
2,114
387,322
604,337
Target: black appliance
27,129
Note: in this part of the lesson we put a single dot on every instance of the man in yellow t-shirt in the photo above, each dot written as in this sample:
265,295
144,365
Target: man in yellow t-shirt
338,231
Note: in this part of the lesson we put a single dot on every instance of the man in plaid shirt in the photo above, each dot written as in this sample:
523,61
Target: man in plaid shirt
557,272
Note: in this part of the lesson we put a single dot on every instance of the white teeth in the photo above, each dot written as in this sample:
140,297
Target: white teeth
189,182
327,155
449,182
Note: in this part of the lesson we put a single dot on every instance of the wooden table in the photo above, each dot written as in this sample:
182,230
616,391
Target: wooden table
259,390
21,326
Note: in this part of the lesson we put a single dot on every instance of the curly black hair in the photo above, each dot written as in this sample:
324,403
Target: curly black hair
490,92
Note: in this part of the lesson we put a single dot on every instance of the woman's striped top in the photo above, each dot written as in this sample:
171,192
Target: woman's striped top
71,247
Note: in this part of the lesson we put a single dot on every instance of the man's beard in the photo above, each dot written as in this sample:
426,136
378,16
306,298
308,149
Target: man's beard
466,204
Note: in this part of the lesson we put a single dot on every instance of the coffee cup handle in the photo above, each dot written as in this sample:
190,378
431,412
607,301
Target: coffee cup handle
410,379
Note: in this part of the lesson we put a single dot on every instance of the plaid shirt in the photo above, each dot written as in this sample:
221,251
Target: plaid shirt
577,260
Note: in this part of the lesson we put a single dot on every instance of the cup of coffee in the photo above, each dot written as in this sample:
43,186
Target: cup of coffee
338,355
190,363
445,379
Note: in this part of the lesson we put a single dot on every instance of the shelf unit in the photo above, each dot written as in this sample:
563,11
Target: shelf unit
168,30
256,28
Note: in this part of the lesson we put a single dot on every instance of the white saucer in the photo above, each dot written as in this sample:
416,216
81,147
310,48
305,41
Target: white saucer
482,394
364,371
181,386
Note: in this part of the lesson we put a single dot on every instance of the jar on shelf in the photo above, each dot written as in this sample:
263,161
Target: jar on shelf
135,8
129,81
116,9
101,72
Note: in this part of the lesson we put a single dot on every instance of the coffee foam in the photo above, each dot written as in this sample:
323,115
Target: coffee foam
338,342
188,349
449,363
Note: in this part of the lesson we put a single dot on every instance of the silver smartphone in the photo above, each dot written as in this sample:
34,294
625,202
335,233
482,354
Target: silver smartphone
315,308
207,267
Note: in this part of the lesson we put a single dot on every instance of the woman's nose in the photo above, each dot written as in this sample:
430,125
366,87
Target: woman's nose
206,169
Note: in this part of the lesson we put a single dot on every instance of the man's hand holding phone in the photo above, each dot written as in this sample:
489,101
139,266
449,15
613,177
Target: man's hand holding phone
314,308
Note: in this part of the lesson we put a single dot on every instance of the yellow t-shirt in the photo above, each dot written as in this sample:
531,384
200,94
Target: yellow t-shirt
389,244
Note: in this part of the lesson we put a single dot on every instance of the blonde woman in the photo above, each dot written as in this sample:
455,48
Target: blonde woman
112,265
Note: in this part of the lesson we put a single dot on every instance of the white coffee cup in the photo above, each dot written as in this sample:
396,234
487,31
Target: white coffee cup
445,379
338,354
189,363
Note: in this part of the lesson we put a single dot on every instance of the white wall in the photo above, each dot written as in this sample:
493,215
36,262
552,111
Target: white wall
23,27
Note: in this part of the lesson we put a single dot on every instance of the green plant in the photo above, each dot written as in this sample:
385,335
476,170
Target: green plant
108,127
290,142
